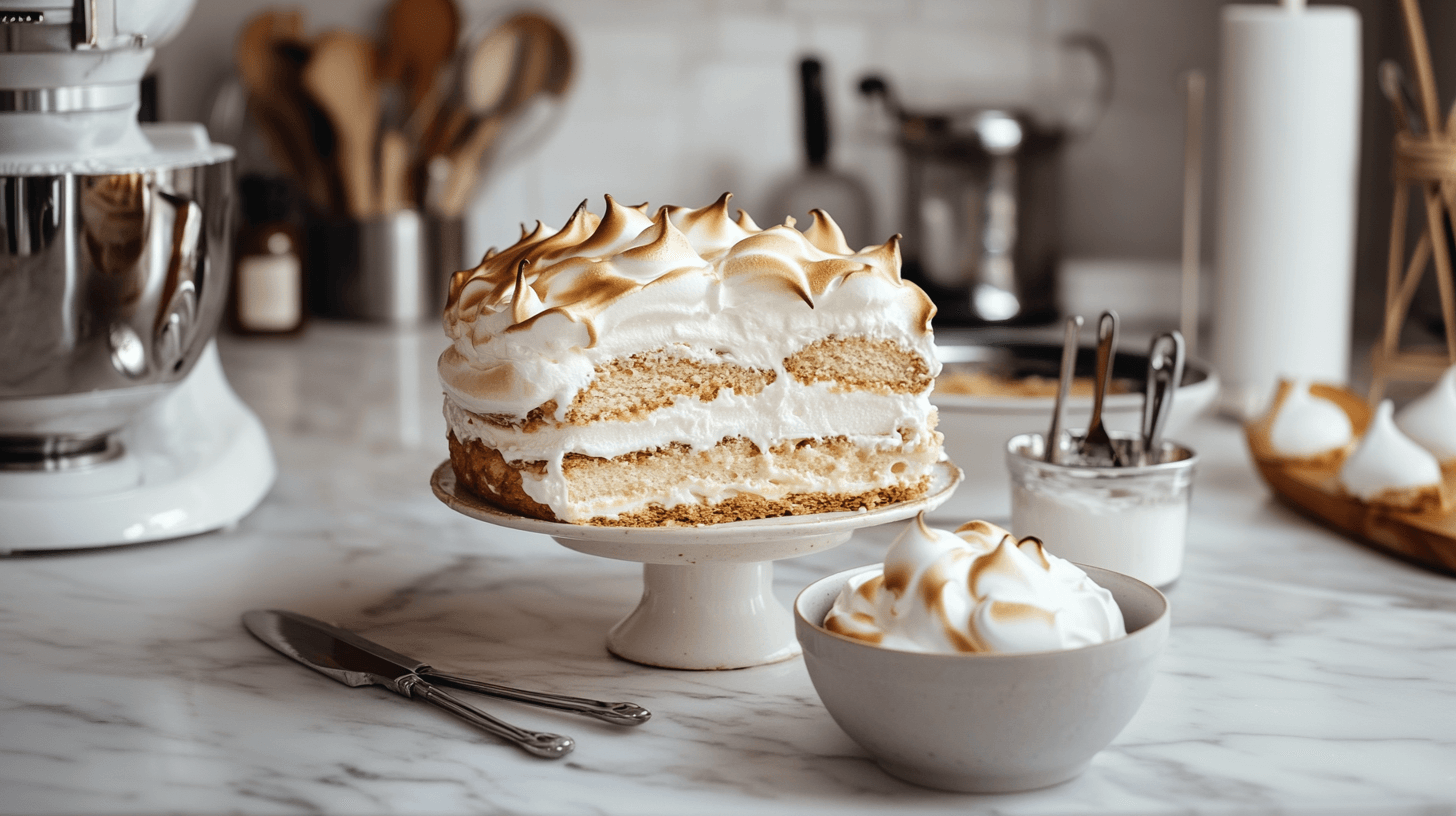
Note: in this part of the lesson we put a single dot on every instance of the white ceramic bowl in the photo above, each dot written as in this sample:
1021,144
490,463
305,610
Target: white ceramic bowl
984,723
977,428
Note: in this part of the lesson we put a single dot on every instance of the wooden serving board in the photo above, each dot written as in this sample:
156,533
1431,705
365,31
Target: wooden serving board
1425,539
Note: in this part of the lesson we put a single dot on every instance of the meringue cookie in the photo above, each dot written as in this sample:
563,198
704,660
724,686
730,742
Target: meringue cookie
1390,469
1306,426
975,590
1431,419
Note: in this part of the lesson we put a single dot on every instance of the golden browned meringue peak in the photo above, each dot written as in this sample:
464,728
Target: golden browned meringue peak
593,262
978,589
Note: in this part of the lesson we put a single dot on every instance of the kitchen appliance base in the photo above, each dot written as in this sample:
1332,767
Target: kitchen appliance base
197,460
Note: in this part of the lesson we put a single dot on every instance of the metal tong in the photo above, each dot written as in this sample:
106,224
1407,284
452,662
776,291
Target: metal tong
1166,356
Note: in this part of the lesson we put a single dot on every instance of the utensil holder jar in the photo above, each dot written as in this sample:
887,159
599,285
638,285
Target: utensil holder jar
391,269
1132,520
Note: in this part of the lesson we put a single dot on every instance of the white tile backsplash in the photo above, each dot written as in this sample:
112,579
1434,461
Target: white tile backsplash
761,38
678,100
868,10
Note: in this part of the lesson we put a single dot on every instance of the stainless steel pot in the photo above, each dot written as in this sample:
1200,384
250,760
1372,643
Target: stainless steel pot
111,285
983,215
982,218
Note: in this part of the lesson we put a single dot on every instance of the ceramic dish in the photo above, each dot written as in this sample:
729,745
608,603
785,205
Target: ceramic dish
984,723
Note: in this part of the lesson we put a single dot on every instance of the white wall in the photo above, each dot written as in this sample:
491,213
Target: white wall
678,100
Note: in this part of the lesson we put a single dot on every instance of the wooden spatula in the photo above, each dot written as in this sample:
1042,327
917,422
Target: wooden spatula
342,77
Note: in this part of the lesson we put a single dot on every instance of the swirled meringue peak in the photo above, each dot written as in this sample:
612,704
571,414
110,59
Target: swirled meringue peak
978,589
1306,425
1388,463
532,321
1430,419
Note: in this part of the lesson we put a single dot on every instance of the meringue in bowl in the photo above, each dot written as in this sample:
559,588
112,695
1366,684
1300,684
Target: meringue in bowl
965,718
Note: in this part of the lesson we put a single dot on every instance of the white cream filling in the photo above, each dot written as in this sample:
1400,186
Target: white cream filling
552,490
783,410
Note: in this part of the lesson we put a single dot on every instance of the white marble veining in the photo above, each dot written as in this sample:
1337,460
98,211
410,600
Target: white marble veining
1304,674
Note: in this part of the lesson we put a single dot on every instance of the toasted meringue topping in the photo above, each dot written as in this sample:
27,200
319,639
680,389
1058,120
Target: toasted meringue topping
591,263
1306,425
559,302
1431,418
975,590
1387,460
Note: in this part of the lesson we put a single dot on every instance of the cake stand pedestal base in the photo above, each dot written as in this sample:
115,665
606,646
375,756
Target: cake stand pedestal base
706,616
707,592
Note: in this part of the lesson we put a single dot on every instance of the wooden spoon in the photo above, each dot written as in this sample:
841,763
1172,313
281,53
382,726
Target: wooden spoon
556,51
393,172
342,77
274,100
485,74
540,63
491,68
255,40
420,37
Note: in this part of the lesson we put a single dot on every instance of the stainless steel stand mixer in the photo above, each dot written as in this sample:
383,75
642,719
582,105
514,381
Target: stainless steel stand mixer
116,423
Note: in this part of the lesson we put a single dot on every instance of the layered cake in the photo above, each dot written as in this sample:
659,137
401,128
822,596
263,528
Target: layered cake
688,367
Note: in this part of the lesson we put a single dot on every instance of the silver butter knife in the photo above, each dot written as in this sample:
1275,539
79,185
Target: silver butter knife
357,661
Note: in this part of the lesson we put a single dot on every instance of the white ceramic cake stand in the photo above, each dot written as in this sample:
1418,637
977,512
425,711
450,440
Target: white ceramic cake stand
707,592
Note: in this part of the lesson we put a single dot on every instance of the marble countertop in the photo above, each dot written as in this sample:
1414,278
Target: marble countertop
1305,674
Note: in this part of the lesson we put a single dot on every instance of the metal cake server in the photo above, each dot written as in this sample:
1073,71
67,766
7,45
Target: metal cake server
357,661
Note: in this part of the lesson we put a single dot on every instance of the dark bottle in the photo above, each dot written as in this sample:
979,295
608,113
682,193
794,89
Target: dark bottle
268,276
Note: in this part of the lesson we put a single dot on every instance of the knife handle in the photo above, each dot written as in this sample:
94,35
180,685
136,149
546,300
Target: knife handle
550,746
615,713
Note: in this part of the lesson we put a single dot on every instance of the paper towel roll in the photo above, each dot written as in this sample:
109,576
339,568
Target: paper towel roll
1288,166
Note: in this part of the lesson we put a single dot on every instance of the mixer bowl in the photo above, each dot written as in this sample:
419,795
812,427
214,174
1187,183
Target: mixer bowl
111,285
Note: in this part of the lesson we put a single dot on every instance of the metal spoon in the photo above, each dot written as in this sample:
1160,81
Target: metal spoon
1053,452
1165,371
1097,449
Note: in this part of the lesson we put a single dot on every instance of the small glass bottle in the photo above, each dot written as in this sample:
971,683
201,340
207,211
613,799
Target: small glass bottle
268,276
